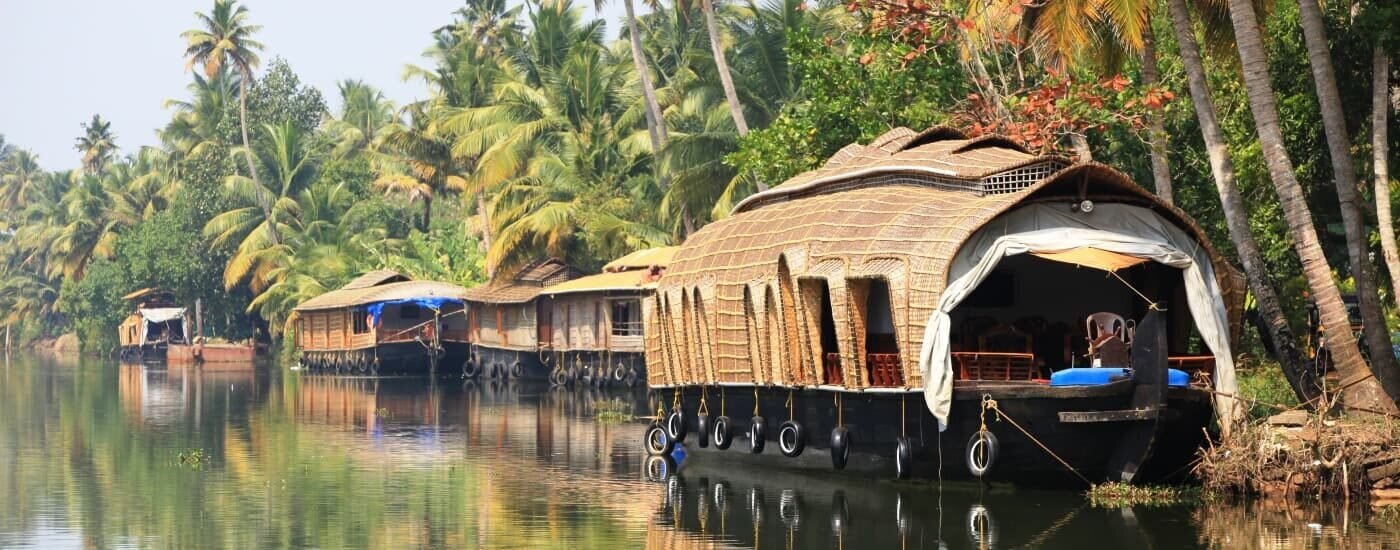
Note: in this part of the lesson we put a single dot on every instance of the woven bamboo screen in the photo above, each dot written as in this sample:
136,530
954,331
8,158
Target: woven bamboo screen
902,230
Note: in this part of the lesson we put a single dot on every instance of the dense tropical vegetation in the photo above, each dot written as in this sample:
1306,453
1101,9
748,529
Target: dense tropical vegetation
542,137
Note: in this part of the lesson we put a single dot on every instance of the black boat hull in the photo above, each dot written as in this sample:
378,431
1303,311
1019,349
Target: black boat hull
398,358
876,421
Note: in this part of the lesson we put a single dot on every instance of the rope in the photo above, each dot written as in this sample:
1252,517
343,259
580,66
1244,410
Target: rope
1150,304
755,400
789,405
704,407
989,403
903,415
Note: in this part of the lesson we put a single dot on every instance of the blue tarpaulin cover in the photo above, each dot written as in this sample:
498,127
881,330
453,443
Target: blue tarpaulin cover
434,303
1097,376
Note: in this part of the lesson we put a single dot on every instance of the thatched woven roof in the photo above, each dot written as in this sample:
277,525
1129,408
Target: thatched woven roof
878,211
643,259
401,290
525,285
375,278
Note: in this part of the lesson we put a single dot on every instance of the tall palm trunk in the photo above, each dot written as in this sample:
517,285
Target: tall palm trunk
1353,217
1275,330
1156,133
1363,391
1380,150
263,202
656,125
485,221
427,212
722,66
726,80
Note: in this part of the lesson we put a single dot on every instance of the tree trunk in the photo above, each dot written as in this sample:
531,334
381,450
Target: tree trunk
485,221
726,80
1364,392
656,125
1081,147
1156,133
248,156
736,111
1274,326
427,212
1353,216
1380,150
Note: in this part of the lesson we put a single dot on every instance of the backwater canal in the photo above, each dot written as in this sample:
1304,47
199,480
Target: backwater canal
94,454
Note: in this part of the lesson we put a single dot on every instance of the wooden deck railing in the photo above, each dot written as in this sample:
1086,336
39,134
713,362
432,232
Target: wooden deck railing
831,369
885,370
972,365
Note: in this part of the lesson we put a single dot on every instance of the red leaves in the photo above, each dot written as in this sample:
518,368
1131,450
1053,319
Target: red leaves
867,58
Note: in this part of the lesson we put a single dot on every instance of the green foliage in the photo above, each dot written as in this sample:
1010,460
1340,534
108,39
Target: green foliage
1263,384
1123,495
95,306
280,98
850,90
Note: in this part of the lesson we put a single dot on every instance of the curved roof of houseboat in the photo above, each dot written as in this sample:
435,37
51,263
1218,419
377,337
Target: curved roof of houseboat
637,271
900,208
524,285
393,290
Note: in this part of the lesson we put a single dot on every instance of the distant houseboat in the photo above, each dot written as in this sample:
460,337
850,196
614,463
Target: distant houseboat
597,333
152,327
933,305
381,323
507,321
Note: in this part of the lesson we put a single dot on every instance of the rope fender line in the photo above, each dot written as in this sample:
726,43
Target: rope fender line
991,404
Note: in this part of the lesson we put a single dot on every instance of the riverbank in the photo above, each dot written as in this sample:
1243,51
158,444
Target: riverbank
1298,454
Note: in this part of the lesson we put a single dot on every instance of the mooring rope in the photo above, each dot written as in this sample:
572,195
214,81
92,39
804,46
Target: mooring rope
991,404
1152,305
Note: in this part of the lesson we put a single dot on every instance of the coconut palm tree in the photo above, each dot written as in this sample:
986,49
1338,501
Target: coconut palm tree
1349,198
1364,391
1380,162
290,159
224,39
97,145
20,177
91,229
193,129
731,96
418,161
364,112
656,124
1279,335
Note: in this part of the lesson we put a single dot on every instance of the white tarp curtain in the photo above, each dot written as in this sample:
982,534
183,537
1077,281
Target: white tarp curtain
159,315
1118,228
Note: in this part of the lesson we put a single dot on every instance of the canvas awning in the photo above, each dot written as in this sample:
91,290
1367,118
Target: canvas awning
162,314
1120,232
1088,256
435,303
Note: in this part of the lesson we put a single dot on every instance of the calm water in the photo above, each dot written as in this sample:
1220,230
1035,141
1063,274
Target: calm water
90,455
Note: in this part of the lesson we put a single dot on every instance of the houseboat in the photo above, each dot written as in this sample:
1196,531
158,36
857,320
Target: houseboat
597,333
508,323
934,305
382,322
154,325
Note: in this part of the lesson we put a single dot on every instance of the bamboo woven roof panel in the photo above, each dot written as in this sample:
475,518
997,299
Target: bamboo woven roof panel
635,280
507,293
980,164
402,290
544,272
375,278
643,259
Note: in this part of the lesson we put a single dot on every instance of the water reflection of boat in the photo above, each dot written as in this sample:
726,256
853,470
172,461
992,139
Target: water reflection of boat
706,503
930,281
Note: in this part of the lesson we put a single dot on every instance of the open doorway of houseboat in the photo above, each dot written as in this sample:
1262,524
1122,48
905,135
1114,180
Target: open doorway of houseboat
817,295
874,319
1034,315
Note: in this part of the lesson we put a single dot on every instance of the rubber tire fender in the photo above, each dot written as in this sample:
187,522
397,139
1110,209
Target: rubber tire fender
676,426
793,430
903,457
702,429
988,441
470,369
657,442
619,373
723,433
516,369
758,432
840,447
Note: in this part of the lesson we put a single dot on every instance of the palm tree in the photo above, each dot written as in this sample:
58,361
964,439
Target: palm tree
1279,334
656,123
1380,152
418,161
722,67
1364,391
91,230
97,144
291,160
20,177
364,112
1349,198
225,39
193,130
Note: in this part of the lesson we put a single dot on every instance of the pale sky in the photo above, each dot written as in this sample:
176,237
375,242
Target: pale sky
61,61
